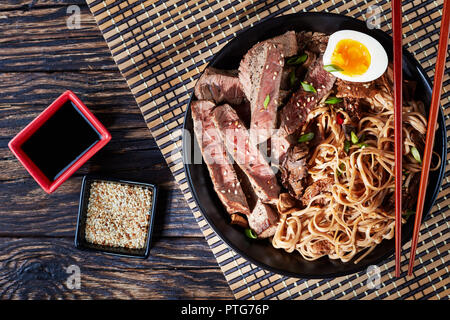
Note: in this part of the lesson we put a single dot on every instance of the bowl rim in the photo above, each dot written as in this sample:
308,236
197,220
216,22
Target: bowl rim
358,267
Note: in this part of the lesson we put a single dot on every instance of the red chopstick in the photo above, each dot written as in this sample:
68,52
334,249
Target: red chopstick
432,118
398,103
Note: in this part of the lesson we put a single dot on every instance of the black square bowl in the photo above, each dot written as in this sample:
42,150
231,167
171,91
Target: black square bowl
80,237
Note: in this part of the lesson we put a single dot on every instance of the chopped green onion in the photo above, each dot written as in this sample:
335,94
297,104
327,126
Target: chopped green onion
332,68
306,137
408,213
266,101
250,233
354,137
347,145
307,87
296,60
362,145
340,169
416,154
333,100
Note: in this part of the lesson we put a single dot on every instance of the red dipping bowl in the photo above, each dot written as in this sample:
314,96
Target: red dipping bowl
15,145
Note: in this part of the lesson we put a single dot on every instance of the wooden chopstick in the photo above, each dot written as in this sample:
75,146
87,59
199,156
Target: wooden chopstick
398,104
432,119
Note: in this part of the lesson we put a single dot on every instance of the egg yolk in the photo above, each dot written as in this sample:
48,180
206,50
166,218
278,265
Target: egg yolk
351,56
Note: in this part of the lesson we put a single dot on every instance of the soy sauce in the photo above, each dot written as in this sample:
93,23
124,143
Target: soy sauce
61,141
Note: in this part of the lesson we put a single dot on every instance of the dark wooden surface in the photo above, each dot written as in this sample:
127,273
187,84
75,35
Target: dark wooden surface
39,59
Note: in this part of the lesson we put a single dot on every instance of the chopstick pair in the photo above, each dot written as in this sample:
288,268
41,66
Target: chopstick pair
431,128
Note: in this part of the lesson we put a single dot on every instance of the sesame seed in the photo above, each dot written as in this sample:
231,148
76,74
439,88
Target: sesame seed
118,215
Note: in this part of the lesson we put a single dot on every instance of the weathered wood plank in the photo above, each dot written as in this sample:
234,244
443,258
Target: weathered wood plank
10,5
177,268
24,95
40,40
26,210
132,154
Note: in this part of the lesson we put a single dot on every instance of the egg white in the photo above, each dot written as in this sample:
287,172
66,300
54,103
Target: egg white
378,56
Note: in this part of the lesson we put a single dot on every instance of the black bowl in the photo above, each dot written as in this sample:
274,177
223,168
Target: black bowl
80,234
261,252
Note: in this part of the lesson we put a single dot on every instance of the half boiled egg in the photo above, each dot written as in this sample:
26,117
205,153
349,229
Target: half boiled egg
354,56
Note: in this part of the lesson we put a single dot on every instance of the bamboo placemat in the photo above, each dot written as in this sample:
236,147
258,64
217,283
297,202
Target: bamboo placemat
161,47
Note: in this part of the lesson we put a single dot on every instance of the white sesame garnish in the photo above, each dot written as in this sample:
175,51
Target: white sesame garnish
118,215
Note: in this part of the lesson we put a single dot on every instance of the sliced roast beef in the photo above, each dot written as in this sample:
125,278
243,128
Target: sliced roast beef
260,74
223,176
288,43
263,220
246,154
295,112
279,144
312,41
294,170
316,188
220,86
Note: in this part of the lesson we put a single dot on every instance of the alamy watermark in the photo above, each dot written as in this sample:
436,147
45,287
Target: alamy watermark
373,277
73,281
74,19
373,16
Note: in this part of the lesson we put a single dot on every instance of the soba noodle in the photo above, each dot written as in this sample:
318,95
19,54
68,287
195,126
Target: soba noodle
351,218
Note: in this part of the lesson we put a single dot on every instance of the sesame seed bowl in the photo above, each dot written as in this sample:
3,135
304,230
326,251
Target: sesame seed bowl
116,216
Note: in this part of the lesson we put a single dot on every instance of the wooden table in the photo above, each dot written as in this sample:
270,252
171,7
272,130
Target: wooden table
39,59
